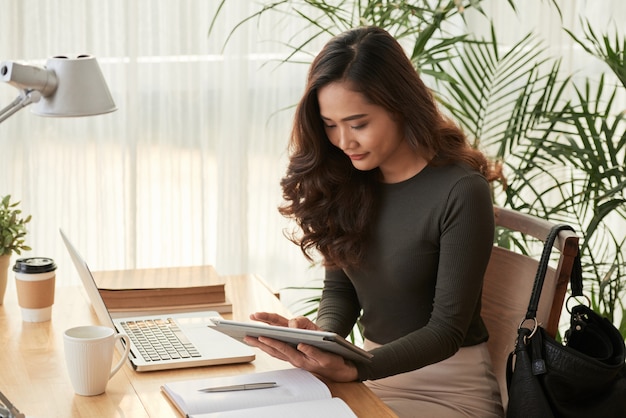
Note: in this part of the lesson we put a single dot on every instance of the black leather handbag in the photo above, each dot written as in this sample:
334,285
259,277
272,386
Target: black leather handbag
583,377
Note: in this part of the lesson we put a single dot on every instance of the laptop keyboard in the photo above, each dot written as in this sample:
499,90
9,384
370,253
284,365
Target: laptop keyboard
159,340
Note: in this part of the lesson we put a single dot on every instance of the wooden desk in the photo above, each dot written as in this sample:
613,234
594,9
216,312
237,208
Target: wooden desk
34,377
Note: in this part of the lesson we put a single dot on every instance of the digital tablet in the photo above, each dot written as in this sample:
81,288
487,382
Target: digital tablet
323,340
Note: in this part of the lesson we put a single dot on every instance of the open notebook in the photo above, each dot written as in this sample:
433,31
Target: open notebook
188,337
294,393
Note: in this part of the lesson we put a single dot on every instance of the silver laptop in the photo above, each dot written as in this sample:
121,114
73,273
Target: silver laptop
190,340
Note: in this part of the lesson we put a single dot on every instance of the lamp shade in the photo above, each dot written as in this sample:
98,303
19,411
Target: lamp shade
81,89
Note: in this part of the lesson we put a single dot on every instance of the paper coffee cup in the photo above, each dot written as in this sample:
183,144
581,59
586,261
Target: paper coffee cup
35,282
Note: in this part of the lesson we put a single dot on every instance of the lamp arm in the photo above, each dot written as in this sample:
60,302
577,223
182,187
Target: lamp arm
25,98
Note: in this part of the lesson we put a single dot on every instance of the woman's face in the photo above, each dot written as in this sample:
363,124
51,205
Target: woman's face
368,134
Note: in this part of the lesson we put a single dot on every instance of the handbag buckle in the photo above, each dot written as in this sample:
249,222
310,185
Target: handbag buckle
533,329
575,298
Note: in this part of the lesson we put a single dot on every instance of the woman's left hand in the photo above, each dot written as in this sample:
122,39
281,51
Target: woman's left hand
304,356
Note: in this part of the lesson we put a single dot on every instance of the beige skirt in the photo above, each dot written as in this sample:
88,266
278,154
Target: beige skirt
461,386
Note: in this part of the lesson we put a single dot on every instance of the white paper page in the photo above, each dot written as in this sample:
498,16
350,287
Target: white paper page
331,408
294,385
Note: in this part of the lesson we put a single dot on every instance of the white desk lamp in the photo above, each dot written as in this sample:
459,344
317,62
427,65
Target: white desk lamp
64,87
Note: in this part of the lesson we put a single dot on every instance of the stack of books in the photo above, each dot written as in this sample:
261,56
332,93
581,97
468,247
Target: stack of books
177,289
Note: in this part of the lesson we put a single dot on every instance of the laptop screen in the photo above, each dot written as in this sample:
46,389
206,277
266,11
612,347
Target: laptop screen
88,283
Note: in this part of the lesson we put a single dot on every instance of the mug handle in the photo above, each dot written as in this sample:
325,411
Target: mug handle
119,364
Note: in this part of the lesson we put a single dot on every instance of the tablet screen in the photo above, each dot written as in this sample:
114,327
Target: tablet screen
323,340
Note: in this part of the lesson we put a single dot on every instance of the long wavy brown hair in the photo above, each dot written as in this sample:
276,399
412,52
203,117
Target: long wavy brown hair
332,202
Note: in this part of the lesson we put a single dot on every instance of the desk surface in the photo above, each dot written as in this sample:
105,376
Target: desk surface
35,379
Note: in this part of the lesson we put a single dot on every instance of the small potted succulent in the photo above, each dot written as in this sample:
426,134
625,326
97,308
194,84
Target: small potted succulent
12,233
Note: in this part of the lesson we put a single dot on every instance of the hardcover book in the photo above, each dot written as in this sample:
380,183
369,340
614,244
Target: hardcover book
136,290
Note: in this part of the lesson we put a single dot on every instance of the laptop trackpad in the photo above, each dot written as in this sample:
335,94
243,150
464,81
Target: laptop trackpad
190,322
214,343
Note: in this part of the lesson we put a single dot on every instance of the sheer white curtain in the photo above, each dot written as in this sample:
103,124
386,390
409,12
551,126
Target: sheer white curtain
187,170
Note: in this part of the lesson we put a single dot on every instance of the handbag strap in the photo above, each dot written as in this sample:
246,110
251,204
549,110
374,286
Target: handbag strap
576,279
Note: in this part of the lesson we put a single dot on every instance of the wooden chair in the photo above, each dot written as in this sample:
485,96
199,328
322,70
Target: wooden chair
508,284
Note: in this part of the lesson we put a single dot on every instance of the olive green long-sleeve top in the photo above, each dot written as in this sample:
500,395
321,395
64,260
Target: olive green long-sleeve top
419,291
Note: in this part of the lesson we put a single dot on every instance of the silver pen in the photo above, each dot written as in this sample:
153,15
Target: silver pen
245,386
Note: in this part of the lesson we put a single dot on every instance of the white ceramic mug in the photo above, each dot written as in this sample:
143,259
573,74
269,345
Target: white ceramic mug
89,354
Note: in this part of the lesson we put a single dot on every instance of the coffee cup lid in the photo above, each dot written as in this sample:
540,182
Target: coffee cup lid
34,265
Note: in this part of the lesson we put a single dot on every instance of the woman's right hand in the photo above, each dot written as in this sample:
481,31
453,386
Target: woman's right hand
304,356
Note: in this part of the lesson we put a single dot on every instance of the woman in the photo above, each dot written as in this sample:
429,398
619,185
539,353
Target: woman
397,203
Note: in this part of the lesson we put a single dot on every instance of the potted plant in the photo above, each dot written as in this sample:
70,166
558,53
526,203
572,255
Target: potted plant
12,233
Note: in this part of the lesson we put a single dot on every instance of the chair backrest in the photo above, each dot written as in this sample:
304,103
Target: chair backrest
508,285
